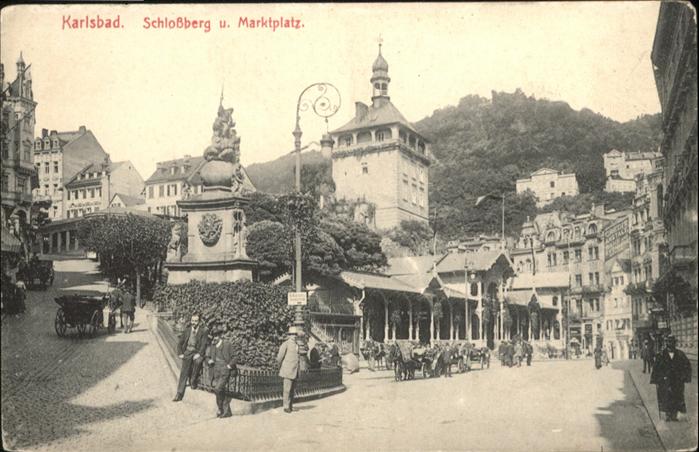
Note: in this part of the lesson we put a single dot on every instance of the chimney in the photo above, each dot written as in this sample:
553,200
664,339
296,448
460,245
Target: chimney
82,130
54,132
44,133
361,110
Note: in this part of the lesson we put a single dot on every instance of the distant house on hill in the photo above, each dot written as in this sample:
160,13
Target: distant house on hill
622,168
547,184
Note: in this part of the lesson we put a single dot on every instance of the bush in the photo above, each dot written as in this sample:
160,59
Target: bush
254,315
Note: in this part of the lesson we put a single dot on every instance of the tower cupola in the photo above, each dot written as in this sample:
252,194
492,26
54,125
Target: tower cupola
379,80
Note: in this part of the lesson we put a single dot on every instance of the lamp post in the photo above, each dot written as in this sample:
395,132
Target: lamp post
324,100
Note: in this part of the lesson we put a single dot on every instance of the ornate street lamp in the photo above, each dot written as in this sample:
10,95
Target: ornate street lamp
324,100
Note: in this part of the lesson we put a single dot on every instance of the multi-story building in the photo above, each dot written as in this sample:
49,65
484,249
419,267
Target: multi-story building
674,58
547,184
647,251
91,189
58,156
172,181
622,168
381,159
560,242
17,123
618,312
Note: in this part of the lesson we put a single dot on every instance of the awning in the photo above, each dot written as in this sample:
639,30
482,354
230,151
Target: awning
10,243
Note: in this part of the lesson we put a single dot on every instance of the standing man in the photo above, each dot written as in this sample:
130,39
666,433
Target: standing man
191,349
446,360
671,371
222,359
529,351
647,354
128,307
288,360
519,352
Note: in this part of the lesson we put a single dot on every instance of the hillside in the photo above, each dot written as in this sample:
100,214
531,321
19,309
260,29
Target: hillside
277,176
484,145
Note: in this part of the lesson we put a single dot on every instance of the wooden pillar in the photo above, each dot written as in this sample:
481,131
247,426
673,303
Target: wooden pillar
410,316
385,318
68,240
467,321
417,324
451,322
432,321
480,310
60,241
501,329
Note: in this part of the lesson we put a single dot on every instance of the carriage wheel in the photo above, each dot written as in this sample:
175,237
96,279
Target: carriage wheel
95,323
60,322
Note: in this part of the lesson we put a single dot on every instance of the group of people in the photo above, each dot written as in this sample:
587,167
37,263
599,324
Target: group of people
120,298
197,346
513,352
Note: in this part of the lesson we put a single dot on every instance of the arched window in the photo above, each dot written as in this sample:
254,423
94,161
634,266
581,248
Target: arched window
551,236
421,147
383,134
346,140
592,229
528,265
576,234
566,233
364,137
554,301
474,289
37,145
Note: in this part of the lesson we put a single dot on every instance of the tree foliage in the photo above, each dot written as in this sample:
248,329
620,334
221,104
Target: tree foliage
255,316
483,146
127,245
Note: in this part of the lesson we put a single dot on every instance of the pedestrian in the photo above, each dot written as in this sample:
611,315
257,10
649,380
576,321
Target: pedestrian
647,353
288,361
128,307
369,354
509,354
528,350
501,352
335,359
191,349
605,356
223,361
446,360
670,373
598,357
519,352
314,358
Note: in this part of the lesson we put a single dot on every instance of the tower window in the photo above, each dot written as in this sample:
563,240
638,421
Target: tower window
365,168
377,85
552,184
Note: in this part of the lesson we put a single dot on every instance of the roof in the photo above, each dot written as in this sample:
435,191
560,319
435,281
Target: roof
121,211
83,148
375,281
410,265
386,113
483,260
519,297
625,264
540,280
128,200
380,63
163,172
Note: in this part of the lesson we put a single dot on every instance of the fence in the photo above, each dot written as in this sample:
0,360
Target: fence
256,385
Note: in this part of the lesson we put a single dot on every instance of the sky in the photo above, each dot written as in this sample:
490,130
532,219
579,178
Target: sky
151,95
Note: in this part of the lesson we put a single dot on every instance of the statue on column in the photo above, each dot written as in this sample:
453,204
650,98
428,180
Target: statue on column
225,144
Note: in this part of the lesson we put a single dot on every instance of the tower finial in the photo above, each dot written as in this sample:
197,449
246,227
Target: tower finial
221,101
380,41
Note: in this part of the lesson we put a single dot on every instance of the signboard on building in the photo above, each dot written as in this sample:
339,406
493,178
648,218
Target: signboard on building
616,238
297,298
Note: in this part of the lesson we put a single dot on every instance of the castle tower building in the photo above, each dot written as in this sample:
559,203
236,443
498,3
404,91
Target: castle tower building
380,160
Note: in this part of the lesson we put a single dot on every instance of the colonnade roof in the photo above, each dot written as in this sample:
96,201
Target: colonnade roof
541,280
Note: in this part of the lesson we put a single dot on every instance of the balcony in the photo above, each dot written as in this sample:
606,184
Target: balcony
16,197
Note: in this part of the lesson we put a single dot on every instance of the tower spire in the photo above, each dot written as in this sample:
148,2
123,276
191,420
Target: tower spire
379,78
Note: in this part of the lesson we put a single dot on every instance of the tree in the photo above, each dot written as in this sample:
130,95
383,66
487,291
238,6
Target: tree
415,235
127,245
264,245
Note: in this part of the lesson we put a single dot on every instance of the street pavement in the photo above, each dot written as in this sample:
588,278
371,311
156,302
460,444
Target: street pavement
114,393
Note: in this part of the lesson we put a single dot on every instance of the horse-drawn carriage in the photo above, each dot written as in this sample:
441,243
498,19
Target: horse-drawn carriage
85,313
479,355
39,273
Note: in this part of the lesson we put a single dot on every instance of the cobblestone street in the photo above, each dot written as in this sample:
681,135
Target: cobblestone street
115,392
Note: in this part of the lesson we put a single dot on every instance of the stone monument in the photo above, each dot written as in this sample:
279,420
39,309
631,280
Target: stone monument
216,237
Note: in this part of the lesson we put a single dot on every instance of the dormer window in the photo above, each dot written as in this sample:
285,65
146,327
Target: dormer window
380,136
55,144
47,144
37,145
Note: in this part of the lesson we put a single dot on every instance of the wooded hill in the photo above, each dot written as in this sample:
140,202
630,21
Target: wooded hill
484,145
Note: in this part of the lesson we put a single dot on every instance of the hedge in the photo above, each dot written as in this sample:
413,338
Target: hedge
255,315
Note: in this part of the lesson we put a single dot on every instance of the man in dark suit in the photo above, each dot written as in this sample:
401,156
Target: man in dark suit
223,361
446,360
670,373
191,349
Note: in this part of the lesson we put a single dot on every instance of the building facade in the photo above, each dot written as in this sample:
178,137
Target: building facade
92,188
547,184
618,312
674,58
622,168
381,159
173,180
58,156
18,172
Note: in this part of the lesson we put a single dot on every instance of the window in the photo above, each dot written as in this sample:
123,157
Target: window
365,168
46,188
150,191
566,257
55,167
347,140
83,192
161,190
621,279
99,192
55,189
68,195
578,280
563,193
380,136
597,279
554,301
578,255
552,184
46,167
592,229
92,193
591,278
174,189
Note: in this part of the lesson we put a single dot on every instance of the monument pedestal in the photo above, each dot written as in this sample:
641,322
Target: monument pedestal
216,239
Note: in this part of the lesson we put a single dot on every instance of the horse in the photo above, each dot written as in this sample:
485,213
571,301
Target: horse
380,355
404,369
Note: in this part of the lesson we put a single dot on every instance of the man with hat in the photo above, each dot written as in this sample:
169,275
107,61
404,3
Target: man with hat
222,359
647,354
670,372
288,360
191,349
